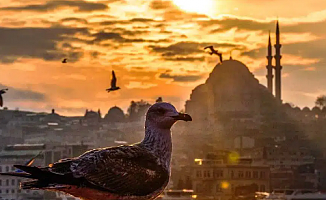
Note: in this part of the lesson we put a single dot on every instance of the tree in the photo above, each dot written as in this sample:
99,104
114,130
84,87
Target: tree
321,101
137,109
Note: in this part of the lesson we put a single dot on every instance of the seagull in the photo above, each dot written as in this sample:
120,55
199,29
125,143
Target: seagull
64,60
128,172
1,99
113,83
213,51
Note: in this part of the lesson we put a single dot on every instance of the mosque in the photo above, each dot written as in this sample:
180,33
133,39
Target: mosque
232,103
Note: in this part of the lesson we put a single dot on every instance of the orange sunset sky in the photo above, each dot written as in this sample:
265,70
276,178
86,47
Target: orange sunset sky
154,46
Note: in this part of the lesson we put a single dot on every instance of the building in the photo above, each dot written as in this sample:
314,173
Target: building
20,154
291,166
223,179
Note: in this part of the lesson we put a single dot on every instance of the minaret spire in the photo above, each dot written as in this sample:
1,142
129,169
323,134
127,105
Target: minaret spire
269,66
278,66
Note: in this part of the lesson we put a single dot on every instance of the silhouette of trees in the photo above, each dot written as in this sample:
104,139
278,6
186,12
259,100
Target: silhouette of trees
137,109
321,101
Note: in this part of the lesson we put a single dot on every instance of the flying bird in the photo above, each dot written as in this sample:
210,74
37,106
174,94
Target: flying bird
130,172
64,60
113,83
1,99
213,51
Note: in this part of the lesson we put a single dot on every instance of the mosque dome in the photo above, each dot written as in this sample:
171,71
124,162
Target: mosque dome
115,114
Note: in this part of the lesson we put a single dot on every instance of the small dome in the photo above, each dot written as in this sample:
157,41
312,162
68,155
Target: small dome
316,110
91,114
115,114
287,106
306,109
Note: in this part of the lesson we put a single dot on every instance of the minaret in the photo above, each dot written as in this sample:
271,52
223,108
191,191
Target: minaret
278,66
269,66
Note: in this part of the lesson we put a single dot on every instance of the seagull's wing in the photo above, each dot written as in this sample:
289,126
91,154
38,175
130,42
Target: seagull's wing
208,47
1,101
114,80
123,170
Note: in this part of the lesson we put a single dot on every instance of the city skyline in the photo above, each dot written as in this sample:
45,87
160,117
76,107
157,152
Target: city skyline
155,48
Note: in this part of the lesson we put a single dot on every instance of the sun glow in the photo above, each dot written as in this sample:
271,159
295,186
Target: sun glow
198,6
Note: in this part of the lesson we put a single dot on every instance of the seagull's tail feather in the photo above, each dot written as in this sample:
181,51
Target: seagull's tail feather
19,174
33,184
42,178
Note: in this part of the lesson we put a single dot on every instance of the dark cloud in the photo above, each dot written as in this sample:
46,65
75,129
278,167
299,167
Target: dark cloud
74,19
80,5
123,31
36,43
180,78
186,48
117,37
142,20
15,94
226,24
159,4
187,58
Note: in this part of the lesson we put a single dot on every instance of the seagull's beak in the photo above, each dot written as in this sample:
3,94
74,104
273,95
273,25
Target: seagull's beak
182,116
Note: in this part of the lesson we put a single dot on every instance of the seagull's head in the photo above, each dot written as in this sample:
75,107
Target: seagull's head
164,115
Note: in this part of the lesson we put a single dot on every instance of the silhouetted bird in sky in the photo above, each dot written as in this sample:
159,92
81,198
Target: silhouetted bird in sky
113,83
213,51
130,172
1,99
64,60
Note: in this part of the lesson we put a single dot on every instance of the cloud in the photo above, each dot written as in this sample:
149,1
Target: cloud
15,94
180,78
117,37
187,48
187,58
37,43
171,12
80,5
74,19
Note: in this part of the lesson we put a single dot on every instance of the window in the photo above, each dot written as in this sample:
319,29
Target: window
248,174
232,174
13,182
7,169
7,182
198,173
18,182
0,168
0,182
7,191
207,173
255,174
13,191
262,174
262,188
218,173
240,174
